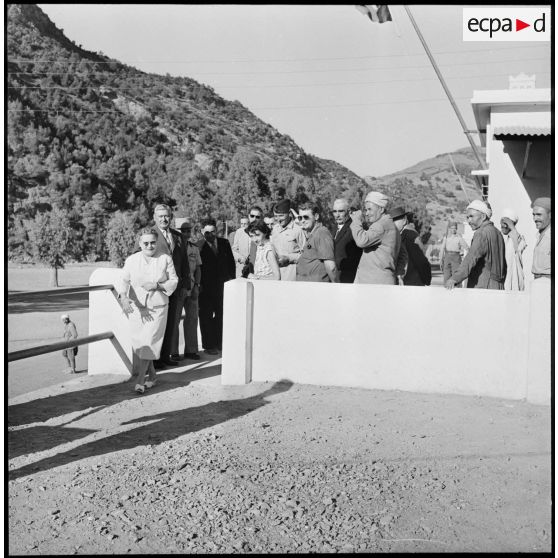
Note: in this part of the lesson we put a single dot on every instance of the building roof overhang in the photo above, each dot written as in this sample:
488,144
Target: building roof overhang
527,111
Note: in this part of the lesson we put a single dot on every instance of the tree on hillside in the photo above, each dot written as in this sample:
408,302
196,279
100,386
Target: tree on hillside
121,236
50,236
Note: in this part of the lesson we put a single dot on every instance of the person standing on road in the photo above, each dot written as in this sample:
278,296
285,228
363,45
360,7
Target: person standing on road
484,266
147,281
70,332
380,243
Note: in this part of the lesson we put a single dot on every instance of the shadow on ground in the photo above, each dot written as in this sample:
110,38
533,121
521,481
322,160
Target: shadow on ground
41,410
168,426
21,302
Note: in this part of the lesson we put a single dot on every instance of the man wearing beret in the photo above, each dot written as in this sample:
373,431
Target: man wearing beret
287,239
380,243
347,253
484,266
542,215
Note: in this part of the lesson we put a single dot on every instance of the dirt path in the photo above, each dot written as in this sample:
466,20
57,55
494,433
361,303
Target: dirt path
193,466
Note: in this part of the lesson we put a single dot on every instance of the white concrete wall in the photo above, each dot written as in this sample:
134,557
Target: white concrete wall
418,339
105,314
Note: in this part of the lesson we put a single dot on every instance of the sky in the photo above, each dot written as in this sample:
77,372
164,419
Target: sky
360,93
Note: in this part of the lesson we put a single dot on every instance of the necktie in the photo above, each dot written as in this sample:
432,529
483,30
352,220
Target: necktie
168,239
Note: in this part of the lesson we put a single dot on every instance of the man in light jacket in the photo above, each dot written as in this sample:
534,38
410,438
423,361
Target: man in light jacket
380,243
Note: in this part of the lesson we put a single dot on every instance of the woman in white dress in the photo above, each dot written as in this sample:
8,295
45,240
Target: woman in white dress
515,245
266,265
148,279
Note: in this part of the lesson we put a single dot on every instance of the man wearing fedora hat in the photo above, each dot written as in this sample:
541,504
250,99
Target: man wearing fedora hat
418,271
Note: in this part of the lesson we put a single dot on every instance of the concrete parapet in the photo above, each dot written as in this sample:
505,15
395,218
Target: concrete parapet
539,370
237,332
421,339
112,356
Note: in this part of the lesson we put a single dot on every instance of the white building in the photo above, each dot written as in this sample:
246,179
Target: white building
515,126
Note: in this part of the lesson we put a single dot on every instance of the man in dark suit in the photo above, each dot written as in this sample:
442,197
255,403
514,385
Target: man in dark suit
347,253
418,272
218,266
170,242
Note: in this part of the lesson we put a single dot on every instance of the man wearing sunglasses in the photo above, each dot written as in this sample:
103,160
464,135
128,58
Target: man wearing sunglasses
242,247
317,261
287,239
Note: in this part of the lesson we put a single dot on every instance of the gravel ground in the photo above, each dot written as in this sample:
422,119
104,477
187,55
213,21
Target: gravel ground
193,466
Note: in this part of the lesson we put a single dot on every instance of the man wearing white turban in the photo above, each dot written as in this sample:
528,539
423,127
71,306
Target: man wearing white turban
380,243
515,244
484,266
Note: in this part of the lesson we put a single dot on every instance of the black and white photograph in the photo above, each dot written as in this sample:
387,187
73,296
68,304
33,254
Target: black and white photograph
278,278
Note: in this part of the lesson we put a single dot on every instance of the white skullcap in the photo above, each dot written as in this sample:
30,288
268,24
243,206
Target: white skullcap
510,214
378,198
64,316
480,206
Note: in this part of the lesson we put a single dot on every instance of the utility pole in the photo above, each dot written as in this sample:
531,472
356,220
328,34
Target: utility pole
468,133
459,178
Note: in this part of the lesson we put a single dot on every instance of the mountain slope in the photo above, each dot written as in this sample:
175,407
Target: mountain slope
94,144
434,185
91,136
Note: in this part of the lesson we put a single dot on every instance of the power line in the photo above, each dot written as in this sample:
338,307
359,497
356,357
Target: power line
355,104
252,60
257,108
329,70
277,86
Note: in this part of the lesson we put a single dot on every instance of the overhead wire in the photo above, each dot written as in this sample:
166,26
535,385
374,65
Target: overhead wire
266,60
278,86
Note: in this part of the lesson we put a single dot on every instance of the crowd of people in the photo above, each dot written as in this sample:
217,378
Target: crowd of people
375,245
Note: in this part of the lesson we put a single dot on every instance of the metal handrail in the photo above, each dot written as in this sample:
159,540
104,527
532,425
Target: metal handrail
59,346
65,290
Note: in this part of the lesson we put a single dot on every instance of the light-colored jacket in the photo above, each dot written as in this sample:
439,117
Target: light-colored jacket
380,247
288,241
138,269
241,249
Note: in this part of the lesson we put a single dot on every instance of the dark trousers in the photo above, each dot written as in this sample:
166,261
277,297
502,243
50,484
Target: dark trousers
211,318
172,324
452,261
